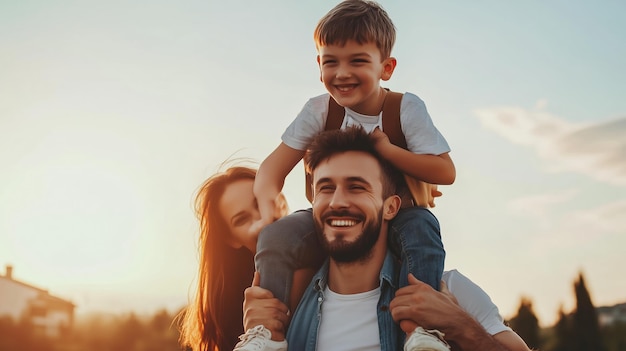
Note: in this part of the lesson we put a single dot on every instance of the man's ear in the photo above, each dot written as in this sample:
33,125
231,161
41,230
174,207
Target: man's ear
391,206
389,65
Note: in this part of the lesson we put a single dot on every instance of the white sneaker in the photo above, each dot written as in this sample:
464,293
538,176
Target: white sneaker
259,338
426,340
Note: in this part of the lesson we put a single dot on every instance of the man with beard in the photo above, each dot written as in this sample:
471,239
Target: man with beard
353,302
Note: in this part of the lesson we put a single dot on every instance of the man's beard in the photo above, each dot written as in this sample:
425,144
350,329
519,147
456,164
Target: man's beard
342,251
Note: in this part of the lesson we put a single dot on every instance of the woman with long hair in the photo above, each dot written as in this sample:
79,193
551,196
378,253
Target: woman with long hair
226,207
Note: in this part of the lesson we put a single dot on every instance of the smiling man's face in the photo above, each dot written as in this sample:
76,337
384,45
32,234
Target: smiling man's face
348,204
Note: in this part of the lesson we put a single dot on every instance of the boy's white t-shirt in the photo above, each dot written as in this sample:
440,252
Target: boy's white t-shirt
350,322
422,137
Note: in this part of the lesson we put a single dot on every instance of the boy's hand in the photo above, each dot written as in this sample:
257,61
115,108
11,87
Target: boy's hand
380,138
434,192
276,209
255,229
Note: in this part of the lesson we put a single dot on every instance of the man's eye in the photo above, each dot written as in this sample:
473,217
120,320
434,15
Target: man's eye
326,189
357,187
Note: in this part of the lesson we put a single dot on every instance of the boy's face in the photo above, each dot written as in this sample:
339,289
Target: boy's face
352,74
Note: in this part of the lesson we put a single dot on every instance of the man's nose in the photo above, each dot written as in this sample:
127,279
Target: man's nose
339,199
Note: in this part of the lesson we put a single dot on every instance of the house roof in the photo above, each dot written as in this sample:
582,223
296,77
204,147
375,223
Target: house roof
9,277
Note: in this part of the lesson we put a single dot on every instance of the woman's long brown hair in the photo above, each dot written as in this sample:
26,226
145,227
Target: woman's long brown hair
213,320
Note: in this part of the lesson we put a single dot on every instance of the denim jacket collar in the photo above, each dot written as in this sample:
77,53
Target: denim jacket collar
302,332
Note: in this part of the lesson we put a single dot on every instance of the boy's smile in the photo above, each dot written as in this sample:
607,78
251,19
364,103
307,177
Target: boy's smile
351,73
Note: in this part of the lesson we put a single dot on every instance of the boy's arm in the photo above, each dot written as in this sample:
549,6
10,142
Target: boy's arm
434,169
270,179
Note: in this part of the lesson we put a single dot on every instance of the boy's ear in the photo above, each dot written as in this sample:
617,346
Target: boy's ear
319,64
389,64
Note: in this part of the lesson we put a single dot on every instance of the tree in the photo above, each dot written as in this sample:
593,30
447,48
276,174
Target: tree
22,336
130,332
585,323
579,331
526,324
615,336
563,333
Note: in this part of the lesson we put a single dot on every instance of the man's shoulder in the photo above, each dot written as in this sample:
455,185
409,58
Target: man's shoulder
459,284
452,275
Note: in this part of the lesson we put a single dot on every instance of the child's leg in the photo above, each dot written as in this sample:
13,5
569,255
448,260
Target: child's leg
415,237
287,245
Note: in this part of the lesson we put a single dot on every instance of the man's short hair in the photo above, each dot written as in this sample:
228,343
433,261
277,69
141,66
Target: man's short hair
332,142
363,21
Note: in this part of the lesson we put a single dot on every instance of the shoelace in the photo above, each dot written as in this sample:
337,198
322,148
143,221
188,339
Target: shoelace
255,336
439,335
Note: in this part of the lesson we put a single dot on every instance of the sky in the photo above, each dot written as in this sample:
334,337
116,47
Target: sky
112,113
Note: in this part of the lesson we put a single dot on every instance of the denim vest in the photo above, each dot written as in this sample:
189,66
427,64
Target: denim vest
303,329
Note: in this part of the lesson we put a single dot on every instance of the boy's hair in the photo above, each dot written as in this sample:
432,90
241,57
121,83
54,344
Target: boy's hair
332,142
363,21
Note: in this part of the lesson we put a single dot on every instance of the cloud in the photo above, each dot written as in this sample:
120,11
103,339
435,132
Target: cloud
581,231
608,218
538,206
597,150
600,226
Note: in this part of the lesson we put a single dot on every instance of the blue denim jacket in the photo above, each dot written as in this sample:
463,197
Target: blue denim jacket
303,329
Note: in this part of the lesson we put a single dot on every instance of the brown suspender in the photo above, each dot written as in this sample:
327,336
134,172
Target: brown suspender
420,191
391,117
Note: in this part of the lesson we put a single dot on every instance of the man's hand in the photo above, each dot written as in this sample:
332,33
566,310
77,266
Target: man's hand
261,308
420,305
417,304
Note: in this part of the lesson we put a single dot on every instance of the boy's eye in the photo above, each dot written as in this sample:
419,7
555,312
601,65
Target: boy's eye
328,62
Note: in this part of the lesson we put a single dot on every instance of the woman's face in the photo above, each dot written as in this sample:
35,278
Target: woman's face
239,209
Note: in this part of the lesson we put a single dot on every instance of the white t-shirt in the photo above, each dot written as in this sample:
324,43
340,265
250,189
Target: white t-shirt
349,322
422,137
475,301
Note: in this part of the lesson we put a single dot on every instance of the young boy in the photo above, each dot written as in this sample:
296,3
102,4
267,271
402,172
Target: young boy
354,42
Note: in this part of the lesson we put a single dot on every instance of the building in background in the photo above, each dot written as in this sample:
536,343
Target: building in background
49,315
609,315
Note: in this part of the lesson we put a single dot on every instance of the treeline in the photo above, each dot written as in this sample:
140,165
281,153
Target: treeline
99,332
576,331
